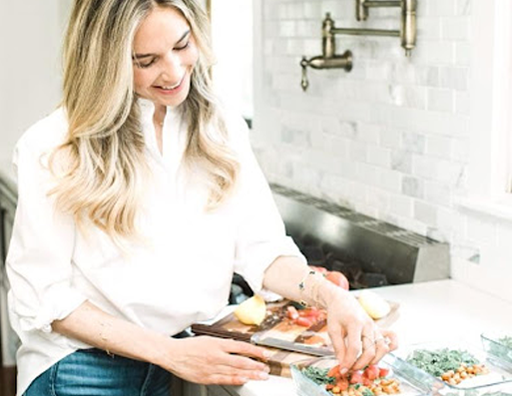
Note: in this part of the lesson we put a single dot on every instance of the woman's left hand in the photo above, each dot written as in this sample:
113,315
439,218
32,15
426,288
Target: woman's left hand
356,338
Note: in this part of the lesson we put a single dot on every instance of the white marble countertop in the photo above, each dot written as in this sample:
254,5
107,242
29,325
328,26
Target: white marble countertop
430,311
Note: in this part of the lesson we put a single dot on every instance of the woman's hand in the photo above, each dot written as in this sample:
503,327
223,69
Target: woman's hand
209,360
356,339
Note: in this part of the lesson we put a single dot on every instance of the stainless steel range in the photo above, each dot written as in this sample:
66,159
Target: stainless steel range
369,252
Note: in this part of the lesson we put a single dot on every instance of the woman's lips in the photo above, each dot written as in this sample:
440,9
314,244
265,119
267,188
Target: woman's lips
170,90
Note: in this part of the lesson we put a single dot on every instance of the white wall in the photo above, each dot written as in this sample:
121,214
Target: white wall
391,138
30,37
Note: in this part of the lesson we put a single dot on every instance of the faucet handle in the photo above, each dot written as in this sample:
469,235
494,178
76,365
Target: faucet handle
304,83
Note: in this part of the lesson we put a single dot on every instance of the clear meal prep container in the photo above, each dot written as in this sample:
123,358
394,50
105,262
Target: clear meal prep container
410,380
498,345
498,380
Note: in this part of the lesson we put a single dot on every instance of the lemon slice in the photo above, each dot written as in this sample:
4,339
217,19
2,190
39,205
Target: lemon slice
252,311
373,304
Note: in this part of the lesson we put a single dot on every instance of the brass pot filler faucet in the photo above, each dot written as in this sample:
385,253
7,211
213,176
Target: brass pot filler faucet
329,59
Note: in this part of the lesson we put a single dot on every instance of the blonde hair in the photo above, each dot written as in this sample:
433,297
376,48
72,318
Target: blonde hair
104,154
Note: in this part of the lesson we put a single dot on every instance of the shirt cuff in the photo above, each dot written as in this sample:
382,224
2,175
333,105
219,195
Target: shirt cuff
56,304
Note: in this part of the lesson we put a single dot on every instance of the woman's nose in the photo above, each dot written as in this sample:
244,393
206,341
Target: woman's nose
173,69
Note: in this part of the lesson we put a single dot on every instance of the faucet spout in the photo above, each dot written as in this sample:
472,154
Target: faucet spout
343,61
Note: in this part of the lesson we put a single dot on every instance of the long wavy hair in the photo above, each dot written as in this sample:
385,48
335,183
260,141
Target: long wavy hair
103,163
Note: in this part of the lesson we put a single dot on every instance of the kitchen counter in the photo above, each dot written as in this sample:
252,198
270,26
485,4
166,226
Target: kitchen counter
429,311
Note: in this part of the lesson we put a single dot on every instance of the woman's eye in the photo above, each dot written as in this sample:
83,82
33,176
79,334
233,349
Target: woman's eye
183,47
146,64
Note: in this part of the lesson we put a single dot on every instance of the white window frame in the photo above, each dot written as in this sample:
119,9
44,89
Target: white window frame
490,163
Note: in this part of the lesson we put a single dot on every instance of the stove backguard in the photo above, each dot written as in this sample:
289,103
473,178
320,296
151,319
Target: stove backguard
346,237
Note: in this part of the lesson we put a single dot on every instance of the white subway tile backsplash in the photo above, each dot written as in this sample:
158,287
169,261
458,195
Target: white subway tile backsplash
440,100
287,28
390,138
441,8
412,187
463,7
439,52
456,29
426,213
462,54
439,146
414,142
401,206
369,133
390,180
429,28
377,199
401,161
312,11
460,150
455,78
357,152
438,193
462,103
376,155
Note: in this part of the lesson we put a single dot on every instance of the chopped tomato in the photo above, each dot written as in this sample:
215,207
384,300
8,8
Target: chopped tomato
383,372
310,312
371,372
334,371
338,279
356,378
291,312
342,384
305,322
329,386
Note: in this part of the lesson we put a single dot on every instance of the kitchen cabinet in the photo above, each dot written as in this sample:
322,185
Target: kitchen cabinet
8,339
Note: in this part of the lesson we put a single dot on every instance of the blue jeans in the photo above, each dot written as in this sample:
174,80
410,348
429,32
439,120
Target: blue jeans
92,372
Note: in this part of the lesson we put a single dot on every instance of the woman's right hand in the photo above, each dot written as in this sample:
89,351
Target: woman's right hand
209,360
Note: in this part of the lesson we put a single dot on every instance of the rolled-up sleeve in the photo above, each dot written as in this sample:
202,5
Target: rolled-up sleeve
261,235
39,259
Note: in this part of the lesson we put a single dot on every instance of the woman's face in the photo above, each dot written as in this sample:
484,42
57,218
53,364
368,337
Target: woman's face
164,56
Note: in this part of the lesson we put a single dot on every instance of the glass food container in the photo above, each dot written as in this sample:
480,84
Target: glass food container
489,376
498,345
410,381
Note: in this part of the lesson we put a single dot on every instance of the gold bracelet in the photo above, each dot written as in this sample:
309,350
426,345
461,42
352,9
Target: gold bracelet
302,283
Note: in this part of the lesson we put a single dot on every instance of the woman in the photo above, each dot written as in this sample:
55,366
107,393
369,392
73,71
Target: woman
138,199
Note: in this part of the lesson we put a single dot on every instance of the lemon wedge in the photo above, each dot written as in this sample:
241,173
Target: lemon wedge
373,304
252,311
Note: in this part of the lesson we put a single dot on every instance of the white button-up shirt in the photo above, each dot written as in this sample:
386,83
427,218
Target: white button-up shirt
179,274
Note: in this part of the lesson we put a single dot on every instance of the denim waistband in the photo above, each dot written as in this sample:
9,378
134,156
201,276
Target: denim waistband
93,372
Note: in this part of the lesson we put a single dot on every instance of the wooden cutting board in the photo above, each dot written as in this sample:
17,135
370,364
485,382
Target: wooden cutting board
277,327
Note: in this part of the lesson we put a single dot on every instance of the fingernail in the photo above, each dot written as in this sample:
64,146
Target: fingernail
266,369
244,380
263,375
343,371
267,354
